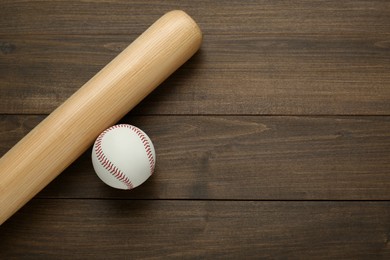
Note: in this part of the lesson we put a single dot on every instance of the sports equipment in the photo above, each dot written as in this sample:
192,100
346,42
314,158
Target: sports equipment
123,156
68,131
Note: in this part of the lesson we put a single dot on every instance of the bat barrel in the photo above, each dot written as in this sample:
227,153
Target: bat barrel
70,129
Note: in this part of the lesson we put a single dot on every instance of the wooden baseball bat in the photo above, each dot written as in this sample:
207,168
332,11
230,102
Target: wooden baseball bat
70,129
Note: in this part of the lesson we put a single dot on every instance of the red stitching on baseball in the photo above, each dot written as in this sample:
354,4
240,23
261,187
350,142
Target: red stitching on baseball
146,146
118,174
107,164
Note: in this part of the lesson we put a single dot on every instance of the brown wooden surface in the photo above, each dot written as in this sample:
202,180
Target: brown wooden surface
273,141
243,157
117,229
284,57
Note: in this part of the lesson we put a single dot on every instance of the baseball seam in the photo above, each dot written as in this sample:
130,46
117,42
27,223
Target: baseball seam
105,162
146,144
110,167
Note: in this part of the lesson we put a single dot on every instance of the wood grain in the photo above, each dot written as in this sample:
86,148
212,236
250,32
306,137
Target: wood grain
272,142
116,229
229,157
215,17
241,74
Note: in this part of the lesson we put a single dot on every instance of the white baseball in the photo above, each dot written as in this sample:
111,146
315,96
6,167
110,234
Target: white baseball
123,157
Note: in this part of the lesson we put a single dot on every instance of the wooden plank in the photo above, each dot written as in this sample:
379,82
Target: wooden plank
80,229
228,157
259,74
216,17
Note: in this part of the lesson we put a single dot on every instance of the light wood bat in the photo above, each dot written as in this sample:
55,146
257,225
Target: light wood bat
70,129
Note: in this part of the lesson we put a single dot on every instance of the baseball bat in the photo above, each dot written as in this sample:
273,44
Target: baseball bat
70,129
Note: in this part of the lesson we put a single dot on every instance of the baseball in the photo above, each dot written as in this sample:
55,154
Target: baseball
123,157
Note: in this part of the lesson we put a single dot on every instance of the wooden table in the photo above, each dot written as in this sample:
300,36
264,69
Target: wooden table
273,141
